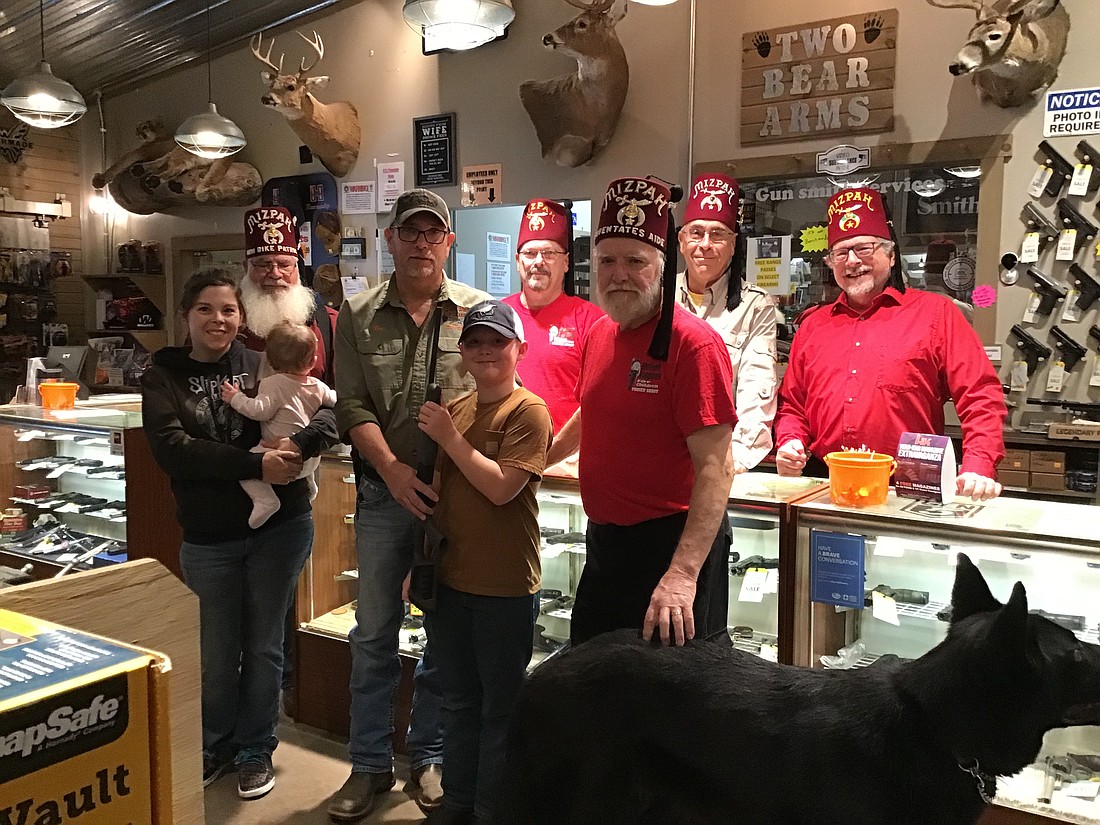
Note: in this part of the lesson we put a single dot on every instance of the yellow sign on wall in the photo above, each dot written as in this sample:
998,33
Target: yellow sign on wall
828,78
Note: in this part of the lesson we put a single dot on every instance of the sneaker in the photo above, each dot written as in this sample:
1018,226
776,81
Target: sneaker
212,768
255,776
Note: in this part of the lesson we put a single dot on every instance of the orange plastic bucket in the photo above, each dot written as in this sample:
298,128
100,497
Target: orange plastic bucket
58,395
859,478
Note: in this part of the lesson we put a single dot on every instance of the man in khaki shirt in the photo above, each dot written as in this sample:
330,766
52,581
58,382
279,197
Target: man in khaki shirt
384,339
741,313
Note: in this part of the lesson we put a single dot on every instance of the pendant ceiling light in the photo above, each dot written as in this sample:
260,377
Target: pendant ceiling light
41,98
459,24
208,134
655,2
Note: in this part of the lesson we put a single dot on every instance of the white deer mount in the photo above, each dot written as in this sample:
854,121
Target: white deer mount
330,130
575,115
1014,49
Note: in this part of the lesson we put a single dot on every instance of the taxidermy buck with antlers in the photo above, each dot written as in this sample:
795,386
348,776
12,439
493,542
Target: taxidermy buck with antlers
1014,49
330,130
576,115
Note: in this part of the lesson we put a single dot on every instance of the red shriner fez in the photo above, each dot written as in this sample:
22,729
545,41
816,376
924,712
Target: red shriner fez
636,208
545,220
269,230
857,212
713,197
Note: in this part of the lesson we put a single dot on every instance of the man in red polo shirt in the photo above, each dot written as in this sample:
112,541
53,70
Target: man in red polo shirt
555,321
655,392
882,360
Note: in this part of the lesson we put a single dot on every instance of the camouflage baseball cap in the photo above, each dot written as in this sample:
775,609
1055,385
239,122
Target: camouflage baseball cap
420,200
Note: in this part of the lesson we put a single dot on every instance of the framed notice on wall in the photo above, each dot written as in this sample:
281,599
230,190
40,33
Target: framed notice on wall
828,78
434,149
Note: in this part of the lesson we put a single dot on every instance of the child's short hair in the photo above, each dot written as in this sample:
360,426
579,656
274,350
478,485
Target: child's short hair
291,347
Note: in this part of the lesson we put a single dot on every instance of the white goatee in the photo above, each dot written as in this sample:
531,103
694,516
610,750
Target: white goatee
263,310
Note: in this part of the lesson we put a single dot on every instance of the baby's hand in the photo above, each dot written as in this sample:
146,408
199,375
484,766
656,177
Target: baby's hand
228,392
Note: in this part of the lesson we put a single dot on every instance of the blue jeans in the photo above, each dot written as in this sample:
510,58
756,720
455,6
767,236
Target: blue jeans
383,542
245,588
483,644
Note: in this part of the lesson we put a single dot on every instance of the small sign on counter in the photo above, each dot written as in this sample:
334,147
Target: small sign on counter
926,468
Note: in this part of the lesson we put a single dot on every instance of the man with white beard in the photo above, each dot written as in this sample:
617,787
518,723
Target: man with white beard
272,292
655,393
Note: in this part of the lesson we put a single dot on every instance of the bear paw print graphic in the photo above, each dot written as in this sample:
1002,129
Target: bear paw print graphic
872,28
762,43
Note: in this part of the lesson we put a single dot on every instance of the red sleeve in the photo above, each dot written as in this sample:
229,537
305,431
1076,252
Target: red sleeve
704,388
976,390
790,419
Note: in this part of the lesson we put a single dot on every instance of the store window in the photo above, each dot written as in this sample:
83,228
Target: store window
935,212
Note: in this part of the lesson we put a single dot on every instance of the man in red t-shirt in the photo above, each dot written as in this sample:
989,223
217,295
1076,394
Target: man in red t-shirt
555,321
882,360
655,393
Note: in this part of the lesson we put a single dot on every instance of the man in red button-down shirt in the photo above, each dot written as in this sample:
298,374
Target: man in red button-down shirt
882,360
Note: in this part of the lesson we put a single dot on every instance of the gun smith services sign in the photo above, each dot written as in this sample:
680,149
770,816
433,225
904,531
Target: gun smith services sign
829,78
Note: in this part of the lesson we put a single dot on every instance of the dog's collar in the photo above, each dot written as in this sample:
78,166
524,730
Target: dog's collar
987,785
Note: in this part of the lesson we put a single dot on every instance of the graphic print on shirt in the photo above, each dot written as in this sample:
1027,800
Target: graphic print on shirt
645,378
217,419
563,336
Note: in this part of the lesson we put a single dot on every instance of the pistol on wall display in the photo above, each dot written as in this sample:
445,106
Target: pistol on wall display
1037,222
1090,156
1049,292
1094,332
1072,219
1062,169
1088,288
1072,352
1033,351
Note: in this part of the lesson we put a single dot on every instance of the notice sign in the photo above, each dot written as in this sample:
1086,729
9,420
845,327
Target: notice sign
822,79
836,568
434,141
481,185
926,468
1072,112
357,197
769,264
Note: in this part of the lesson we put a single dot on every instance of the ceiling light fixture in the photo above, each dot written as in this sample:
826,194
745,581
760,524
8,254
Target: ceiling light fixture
208,134
458,24
965,172
41,98
655,2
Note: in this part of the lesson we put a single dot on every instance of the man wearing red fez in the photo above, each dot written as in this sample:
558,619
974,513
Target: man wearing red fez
712,287
655,394
882,360
555,321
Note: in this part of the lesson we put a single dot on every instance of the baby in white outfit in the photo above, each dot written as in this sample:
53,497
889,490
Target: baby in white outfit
284,403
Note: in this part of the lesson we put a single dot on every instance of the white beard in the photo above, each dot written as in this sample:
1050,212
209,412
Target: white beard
628,307
263,310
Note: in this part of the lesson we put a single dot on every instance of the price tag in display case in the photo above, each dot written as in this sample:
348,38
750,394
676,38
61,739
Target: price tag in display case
752,588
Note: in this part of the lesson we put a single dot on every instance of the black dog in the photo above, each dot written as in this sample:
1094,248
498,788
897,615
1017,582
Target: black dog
617,731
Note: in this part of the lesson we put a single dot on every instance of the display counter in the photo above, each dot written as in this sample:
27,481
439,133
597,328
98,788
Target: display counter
910,550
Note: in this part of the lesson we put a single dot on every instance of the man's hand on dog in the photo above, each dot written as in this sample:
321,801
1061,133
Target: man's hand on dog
977,487
670,609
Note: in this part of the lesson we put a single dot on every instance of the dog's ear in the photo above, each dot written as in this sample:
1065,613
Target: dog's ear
1009,630
971,594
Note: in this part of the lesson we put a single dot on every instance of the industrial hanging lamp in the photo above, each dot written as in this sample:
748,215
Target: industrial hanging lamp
41,98
459,24
208,134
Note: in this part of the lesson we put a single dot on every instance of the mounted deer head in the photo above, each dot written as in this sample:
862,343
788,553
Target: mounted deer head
575,115
330,130
1014,48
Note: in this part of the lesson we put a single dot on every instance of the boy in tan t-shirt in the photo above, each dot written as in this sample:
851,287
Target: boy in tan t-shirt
494,444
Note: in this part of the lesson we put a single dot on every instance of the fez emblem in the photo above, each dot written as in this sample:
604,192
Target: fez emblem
631,213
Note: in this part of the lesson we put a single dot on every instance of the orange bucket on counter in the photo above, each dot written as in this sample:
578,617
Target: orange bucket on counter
58,395
858,478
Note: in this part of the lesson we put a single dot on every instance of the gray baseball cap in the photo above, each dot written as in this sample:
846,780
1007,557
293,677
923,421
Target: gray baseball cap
420,200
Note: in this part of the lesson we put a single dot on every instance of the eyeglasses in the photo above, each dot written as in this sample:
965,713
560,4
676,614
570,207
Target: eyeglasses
718,237
284,267
410,234
532,255
863,251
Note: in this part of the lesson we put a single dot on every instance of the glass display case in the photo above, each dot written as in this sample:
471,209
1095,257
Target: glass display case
80,489
910,550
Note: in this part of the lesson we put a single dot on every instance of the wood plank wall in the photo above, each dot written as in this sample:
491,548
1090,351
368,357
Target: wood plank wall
52,166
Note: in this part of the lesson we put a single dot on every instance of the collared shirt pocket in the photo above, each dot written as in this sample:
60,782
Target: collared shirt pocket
384,358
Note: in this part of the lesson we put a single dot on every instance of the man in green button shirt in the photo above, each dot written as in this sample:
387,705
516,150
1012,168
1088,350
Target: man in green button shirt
383,342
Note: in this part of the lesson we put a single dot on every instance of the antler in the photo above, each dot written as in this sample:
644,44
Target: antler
975,5
318,46
595,5
255,43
